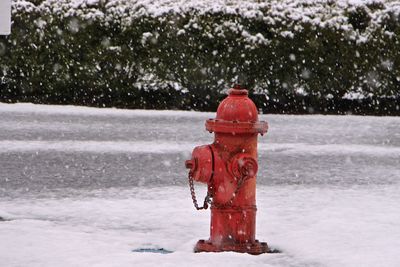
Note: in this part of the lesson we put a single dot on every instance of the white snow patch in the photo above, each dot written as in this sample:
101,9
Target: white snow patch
94,146
89,111
312,226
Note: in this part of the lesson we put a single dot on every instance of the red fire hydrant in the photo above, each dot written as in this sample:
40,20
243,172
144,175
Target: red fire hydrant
229,167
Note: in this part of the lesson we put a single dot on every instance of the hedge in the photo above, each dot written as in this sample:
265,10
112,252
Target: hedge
315,56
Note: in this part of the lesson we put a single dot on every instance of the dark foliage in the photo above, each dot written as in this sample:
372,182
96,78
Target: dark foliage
185,61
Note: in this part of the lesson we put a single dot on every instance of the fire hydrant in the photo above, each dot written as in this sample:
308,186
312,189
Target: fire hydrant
229,167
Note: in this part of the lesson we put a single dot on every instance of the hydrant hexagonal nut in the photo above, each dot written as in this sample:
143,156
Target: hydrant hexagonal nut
190,164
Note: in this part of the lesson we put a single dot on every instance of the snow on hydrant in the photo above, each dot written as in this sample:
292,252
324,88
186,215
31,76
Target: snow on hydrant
229,168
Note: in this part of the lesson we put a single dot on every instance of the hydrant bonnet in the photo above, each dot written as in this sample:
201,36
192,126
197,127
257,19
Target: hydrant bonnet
237,114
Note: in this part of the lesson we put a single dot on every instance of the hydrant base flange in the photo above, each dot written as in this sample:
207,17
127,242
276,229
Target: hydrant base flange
255,248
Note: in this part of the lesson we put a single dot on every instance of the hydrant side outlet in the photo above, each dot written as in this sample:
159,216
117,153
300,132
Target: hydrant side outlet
229,168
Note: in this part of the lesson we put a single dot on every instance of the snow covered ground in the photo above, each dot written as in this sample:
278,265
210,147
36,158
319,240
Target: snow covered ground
84,187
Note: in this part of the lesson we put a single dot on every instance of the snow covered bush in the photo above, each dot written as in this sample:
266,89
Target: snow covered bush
295,55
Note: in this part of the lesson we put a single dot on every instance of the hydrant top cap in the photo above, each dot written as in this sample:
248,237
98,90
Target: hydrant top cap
237,114
237,107
235,91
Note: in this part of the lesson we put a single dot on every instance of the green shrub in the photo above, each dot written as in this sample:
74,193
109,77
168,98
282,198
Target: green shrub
295,56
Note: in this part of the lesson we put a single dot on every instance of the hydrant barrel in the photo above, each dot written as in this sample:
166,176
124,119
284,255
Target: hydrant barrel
229,167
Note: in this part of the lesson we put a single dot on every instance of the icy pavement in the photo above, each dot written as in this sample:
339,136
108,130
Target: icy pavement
85,187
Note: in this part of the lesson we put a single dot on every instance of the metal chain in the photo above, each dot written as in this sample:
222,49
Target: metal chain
208,198
230,201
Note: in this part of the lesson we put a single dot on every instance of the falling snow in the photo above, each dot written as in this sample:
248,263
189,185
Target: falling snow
85,187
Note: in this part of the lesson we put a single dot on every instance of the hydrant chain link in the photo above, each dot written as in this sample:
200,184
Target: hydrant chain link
207,199
229,203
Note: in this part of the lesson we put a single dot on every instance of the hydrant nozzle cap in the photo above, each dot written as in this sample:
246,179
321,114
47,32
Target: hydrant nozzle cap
237,90
189,164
